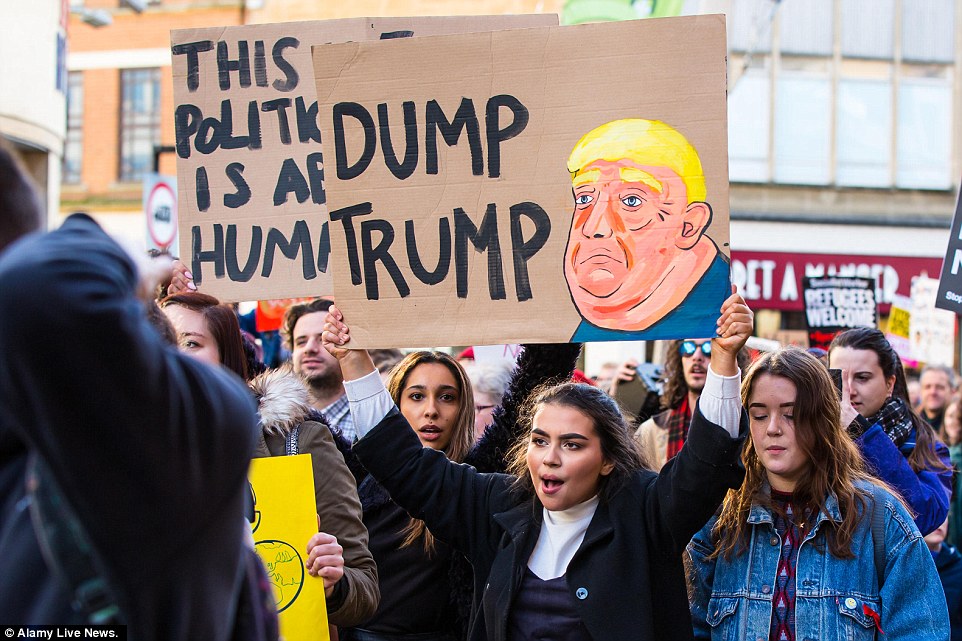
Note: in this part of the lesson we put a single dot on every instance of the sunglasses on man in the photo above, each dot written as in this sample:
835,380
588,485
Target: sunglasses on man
688,348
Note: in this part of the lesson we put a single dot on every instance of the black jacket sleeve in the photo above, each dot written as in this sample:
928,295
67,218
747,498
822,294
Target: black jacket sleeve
692,485
145,442
454,500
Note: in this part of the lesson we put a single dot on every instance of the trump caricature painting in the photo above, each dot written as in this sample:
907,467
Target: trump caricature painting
638,262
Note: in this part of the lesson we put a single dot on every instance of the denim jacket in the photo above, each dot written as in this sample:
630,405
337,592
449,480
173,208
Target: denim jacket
732,600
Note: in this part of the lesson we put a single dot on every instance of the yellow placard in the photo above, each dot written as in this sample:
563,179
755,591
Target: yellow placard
285,518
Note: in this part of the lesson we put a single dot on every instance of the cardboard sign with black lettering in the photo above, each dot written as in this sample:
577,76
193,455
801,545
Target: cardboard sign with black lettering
950,282
253,215
539,185
836,303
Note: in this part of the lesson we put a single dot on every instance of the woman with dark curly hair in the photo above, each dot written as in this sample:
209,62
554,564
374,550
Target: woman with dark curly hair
582,541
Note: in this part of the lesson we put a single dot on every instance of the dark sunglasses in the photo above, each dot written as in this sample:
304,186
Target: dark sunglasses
688,348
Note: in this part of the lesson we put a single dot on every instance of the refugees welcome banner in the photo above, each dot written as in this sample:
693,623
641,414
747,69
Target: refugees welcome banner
834,304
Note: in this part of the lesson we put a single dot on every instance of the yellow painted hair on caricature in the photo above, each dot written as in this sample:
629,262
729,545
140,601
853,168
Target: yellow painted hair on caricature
646,142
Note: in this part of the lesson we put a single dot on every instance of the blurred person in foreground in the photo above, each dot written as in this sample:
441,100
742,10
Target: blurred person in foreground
144,448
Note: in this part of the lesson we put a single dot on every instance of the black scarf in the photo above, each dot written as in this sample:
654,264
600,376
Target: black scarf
895,419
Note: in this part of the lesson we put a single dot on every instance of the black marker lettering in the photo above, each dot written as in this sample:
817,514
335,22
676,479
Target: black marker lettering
522,249
234,272
380,253
359,113
300,241
436,121
290,179
444,254
199,257
202,189
235,172
260,64
225,65
496,135
187,119
346,215
191,49
277,53
315,177
403,169
307,128
280,105
484,238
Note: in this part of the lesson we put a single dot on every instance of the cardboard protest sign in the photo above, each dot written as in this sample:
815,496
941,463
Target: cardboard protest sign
931,330
285,518
834,304
538,185
950,282
253,216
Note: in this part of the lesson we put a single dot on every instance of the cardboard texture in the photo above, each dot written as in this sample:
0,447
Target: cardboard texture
452,201
836,303
950,281
285,518
253,220
931,330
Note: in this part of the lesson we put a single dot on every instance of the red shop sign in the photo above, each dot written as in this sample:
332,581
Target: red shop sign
773,280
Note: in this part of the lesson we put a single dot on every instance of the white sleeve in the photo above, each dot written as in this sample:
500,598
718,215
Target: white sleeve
721,401
369,400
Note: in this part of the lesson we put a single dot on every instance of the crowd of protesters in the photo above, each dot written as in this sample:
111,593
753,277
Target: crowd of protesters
455,502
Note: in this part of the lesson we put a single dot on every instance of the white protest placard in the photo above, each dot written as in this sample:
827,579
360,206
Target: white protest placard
931,330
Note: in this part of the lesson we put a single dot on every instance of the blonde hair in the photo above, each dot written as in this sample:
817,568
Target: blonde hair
647,143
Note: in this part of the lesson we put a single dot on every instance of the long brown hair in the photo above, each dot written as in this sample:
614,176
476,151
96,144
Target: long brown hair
834,462
617,445
222,324
923,456
463,437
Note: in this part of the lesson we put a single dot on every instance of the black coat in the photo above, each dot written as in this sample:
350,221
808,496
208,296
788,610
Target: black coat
150,447
627,577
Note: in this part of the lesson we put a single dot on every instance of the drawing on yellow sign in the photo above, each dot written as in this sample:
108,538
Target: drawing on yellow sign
285,517
285,568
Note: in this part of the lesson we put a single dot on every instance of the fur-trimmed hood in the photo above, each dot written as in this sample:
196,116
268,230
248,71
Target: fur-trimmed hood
282,401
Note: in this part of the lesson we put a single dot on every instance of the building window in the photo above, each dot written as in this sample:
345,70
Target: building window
803,124
928,31
849,93
924,144
867,29
748,127
807,27
139,121
750,25
863,140
73,145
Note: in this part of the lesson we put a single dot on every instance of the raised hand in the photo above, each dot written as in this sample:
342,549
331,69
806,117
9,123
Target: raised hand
735,326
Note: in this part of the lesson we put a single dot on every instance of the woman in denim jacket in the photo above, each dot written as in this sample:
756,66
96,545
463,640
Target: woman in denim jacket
792,553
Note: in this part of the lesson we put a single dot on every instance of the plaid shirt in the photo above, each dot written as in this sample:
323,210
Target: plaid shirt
338,414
